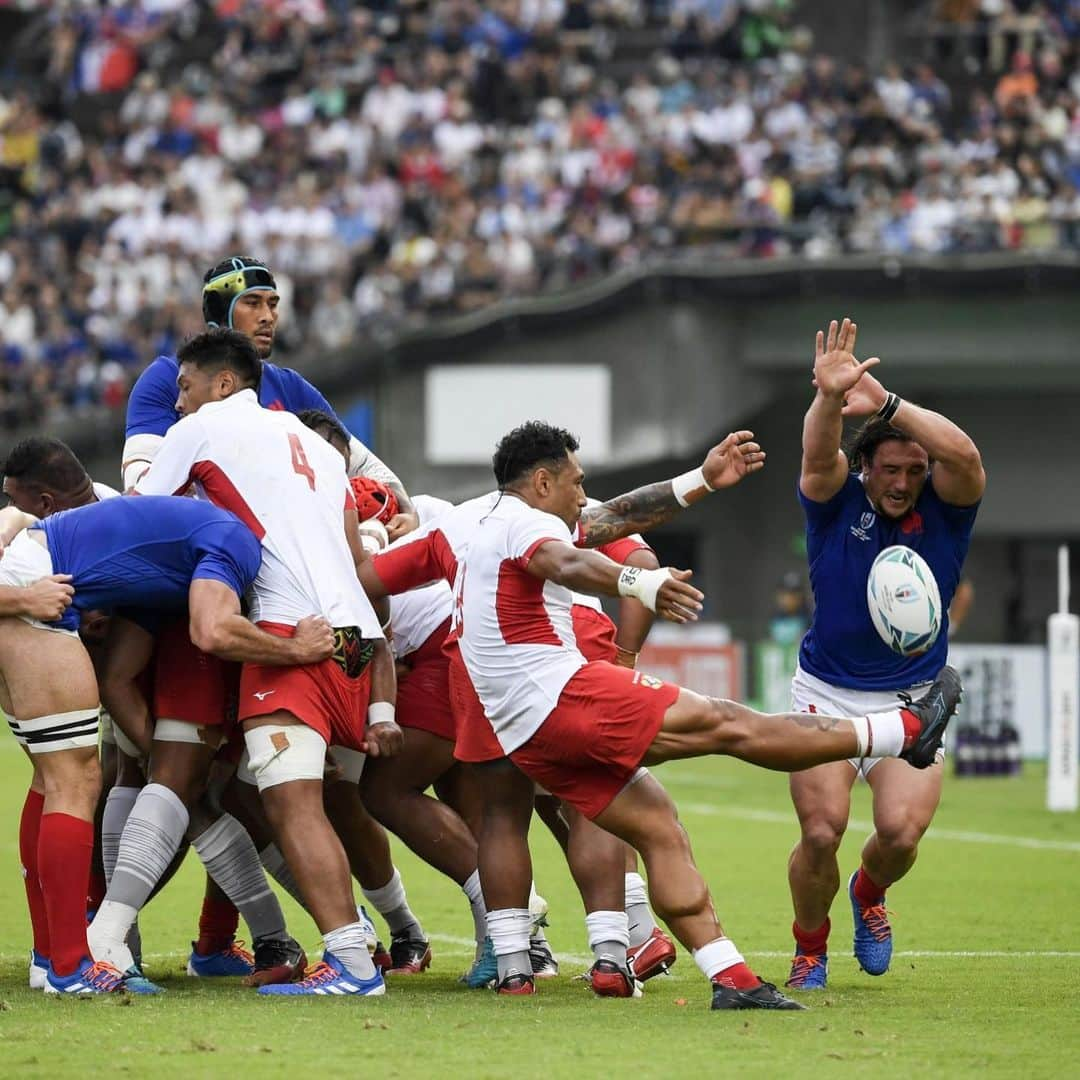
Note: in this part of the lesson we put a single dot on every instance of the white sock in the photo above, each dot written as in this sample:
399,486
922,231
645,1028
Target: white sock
349,944
640,916
609,934
472,890
105,935
390,902
509,933
885,735
717,956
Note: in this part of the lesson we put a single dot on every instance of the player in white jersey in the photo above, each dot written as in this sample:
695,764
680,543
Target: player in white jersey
291,489
583,730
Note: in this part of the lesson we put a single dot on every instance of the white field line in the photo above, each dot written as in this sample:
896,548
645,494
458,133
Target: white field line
963,836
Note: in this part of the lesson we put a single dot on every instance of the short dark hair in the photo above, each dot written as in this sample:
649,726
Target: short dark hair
869,437
322,423
223,350
529,447
46,464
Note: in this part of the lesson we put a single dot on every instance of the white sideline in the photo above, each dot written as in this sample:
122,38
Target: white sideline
960,835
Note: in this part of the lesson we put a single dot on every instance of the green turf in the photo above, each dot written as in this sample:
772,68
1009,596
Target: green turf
973,892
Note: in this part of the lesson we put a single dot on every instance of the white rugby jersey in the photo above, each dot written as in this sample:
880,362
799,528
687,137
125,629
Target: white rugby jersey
289,486
516,632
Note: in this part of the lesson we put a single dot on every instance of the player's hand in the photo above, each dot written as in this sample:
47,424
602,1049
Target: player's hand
728,462
383,740
676,599
836,371
865,397
47,599
400,524
313,640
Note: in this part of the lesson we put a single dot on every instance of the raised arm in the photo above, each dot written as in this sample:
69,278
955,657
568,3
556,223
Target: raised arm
665,591
957,473
647,507
836,374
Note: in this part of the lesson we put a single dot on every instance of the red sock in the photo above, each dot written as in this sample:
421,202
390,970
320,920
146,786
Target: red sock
867,891
218,921
738,976
65,847
812,942
912,727
96,893
29,829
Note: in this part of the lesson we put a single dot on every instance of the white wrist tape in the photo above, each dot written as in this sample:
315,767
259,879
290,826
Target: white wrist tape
373,535
683,485
380,712
642,584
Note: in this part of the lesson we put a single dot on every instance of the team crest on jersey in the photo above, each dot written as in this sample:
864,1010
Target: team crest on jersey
651,682
866,522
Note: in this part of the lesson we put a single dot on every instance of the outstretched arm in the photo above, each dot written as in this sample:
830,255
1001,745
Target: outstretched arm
665,591
836,374
647,507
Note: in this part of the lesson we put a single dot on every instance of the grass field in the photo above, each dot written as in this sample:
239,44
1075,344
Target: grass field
984,980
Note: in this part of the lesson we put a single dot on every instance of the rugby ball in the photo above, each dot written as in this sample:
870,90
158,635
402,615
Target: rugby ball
904,601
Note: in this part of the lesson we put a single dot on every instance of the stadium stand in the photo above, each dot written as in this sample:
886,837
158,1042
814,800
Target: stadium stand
525,146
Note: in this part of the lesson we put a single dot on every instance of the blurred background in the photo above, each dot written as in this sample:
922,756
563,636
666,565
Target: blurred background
628,216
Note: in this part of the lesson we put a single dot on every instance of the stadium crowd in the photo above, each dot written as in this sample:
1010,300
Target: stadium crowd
516,149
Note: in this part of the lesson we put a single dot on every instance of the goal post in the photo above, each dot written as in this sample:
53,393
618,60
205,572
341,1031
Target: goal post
1063,657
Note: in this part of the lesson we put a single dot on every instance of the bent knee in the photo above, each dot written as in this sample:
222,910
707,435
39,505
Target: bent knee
901,835
822,834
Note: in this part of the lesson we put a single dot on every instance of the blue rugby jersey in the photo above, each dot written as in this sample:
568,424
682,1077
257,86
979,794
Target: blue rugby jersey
143,552
843,537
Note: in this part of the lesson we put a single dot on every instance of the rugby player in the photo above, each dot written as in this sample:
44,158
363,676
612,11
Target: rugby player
583,730
240,293
913,478
147,555
42,476
292,490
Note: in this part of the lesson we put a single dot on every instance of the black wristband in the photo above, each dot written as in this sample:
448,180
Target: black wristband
888,410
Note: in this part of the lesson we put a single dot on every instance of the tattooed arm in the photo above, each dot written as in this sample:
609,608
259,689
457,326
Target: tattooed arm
646,507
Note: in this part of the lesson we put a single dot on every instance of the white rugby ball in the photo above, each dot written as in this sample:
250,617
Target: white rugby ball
904,601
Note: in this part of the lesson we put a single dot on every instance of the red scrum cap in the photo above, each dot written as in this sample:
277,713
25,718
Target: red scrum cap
373,499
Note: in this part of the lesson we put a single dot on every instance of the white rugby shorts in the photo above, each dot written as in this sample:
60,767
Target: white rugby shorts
24,562
807,690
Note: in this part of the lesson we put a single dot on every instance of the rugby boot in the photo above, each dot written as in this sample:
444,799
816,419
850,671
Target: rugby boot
234,959
89,977
408,956
934,710
485,970
608,979
809,971
277,960
654,956
328,978
39,970
516,984
544,964
762,996
873,934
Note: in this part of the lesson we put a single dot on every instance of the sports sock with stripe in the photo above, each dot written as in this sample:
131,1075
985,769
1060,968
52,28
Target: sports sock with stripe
640,916
118,807
390,902
349,944
722,963
65,848
472,890
509,933
230,858
608,935
29,833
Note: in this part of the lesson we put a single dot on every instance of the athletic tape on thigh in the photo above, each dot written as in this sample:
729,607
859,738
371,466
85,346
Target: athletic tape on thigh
179,731
105,727
13,724
124,744
350,762
60,731
279,754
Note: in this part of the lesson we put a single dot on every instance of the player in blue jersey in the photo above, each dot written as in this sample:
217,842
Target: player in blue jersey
240,293
913,478
149,554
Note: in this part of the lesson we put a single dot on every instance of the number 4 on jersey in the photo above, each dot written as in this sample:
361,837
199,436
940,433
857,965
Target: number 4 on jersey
300,462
